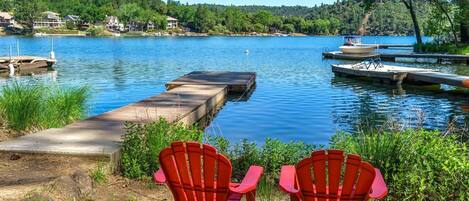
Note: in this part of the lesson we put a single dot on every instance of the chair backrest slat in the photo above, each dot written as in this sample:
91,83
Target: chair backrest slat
223,178
324,182
194,152
319,171
334,169
196,172
168,164
365,180
179,152
305,178
351,172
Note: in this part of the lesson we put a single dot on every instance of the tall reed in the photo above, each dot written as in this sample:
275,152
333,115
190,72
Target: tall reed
26,107
20,105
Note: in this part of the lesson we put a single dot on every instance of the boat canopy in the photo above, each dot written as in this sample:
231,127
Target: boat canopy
352,40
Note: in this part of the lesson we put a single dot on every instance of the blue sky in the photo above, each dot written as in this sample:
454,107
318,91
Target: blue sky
309,3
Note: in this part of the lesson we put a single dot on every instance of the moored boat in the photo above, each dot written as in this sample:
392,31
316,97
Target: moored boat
357,49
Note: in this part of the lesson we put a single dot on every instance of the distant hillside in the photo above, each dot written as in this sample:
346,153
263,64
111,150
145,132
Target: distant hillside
343,17
388,18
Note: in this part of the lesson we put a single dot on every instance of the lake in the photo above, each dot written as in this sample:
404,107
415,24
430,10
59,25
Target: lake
297,97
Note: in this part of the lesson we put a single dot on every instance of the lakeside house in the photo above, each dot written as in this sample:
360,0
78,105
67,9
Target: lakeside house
113,24
6,19
172,22
49,20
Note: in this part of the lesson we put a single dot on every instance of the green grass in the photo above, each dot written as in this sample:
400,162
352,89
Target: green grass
26,107
98,174
143,143
417,164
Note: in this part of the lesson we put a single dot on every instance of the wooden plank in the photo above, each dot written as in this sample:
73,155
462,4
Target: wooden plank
440,78
236,81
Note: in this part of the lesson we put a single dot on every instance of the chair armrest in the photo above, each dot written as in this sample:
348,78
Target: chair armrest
378,189
288,179
250,181
159,177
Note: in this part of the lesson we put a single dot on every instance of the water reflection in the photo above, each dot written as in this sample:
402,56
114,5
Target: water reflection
376,103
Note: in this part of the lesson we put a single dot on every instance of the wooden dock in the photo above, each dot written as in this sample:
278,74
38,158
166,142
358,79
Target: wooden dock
236,81
399,75
100,136
393,56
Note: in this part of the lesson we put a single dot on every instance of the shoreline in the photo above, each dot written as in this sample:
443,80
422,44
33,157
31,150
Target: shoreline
185,34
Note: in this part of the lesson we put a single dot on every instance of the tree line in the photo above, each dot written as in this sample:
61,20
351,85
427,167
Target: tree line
373,17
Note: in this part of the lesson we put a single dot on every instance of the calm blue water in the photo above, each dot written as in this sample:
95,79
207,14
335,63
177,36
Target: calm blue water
297,96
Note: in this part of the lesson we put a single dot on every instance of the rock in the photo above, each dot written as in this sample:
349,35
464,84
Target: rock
65,186
36,196
14,157
78,185
83,182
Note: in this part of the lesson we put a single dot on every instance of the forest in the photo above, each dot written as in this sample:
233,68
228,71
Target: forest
366,17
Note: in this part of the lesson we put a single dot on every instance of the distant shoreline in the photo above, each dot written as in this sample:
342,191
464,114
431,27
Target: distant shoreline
187,34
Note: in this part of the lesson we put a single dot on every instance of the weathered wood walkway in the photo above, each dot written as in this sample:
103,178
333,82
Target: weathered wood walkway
399,75
393,56
100,136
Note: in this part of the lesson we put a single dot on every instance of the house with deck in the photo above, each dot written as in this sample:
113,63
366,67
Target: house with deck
49,20
172,22
6,19
112,23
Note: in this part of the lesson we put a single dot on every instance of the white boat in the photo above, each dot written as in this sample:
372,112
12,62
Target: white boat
357,49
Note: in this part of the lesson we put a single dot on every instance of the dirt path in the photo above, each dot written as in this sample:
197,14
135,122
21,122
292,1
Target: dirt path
42,177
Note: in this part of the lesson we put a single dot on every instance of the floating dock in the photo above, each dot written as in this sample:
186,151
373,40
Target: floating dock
399,75
25,62
100,136
236,81
393,56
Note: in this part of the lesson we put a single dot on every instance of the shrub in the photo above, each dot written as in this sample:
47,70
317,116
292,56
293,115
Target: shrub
272,155
24,106
433,47
143,143
416,164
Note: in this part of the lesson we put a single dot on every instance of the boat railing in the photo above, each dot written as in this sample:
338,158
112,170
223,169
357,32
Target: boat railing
370,63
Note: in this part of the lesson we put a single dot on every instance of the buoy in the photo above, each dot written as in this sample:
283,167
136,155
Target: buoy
246,51
52,55
11,69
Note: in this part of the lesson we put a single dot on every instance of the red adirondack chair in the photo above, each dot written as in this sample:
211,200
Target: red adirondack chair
319,178
197,172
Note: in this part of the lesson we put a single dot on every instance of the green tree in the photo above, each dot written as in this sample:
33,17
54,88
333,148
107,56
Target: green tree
6,5
129,13
158,6
26,11
464,20
159,21
289,28
204,19
235,20
263,17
